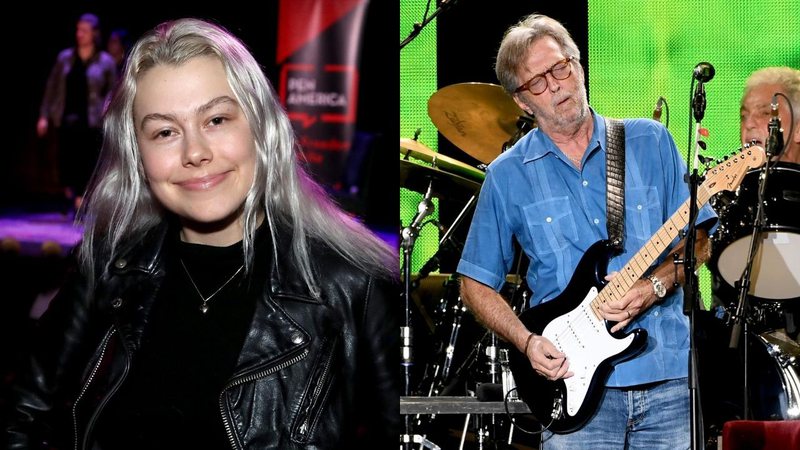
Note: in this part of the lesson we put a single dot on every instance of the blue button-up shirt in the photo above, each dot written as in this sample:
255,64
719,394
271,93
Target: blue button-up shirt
533,193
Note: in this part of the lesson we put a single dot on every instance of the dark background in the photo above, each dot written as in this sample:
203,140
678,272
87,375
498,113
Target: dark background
36,33
32,38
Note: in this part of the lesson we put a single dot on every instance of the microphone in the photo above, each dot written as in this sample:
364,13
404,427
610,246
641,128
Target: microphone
703,72
775,139
424,209
657,111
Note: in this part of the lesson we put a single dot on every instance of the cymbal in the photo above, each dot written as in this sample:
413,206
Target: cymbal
415,149
477,117
417,177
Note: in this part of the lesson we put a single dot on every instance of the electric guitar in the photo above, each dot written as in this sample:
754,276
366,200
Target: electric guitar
572,321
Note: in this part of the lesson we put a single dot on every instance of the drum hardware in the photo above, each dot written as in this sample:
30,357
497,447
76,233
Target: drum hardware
524,125
450,166
744,281
447,327
442,6
774,385
409,235
447,242
773,374
449,370
444,177
776,272
509,386
758,226
478,118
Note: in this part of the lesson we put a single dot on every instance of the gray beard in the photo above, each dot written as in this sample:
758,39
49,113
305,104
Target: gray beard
564,124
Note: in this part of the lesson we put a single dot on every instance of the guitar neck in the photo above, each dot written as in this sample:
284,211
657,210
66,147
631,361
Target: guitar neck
642,260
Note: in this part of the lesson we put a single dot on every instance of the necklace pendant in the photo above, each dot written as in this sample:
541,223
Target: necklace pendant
203,308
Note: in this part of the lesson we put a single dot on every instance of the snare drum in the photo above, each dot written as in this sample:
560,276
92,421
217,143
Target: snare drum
776,267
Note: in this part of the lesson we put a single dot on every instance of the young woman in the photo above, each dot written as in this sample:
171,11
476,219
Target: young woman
221,301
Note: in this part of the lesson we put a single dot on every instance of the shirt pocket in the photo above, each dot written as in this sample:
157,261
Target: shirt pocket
643,212
551,225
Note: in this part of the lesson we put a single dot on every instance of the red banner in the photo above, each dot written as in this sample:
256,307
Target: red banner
318,56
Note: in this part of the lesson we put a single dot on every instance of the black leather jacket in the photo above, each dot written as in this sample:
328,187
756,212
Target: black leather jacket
303,366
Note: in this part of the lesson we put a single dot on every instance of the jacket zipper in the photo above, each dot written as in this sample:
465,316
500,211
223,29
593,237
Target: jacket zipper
103,345
247,379
303,429
96,413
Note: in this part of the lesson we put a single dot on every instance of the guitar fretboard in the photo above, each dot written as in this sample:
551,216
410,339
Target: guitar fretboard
723,177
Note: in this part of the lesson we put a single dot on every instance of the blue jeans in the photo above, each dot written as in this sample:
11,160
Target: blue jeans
647,418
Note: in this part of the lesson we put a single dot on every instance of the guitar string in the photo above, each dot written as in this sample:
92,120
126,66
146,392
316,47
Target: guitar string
702,198
613,288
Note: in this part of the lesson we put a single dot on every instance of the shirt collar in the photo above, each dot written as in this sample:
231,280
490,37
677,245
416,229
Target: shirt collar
539,144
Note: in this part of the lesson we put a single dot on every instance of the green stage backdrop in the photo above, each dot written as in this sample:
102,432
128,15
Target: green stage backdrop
638,51
417,84
642,50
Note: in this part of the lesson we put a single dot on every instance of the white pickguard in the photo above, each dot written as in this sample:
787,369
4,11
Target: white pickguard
587,343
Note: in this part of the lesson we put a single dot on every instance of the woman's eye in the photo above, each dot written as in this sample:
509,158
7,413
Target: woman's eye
217,120
164,134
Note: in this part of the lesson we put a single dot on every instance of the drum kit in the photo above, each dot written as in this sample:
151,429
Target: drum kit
458,355
769,363
483,121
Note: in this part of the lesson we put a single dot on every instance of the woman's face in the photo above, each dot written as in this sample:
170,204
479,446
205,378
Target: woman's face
197,148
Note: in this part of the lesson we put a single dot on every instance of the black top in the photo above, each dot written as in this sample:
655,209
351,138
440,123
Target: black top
76,102
170,398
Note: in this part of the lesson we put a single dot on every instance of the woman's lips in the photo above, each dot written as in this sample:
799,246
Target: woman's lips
203,183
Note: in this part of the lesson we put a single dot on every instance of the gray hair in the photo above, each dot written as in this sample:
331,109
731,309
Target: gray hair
786,77
120,206
519,37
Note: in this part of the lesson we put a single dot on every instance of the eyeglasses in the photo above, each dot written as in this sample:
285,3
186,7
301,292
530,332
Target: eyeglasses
560,71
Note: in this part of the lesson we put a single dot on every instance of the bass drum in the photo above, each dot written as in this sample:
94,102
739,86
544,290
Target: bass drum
773,375
776,268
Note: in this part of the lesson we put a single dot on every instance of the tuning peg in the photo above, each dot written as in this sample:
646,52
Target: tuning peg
705,159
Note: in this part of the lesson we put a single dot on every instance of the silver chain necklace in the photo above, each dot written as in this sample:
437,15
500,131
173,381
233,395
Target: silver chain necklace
204,306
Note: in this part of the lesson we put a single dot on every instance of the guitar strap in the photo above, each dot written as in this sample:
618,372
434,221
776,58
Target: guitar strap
615,179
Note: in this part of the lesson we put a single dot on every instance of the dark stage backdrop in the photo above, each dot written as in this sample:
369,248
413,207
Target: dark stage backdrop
34,35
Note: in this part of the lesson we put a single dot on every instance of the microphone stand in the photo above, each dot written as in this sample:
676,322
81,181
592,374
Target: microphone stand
409,235
690,284
524,125
773,148
433,262
445,4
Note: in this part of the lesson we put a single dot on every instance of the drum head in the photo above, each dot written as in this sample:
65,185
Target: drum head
776,267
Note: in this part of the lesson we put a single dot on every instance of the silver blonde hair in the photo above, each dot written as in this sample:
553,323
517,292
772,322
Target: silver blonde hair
786,77
120,206
519,37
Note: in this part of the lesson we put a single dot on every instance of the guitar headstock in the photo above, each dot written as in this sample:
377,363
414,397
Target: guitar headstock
727,175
